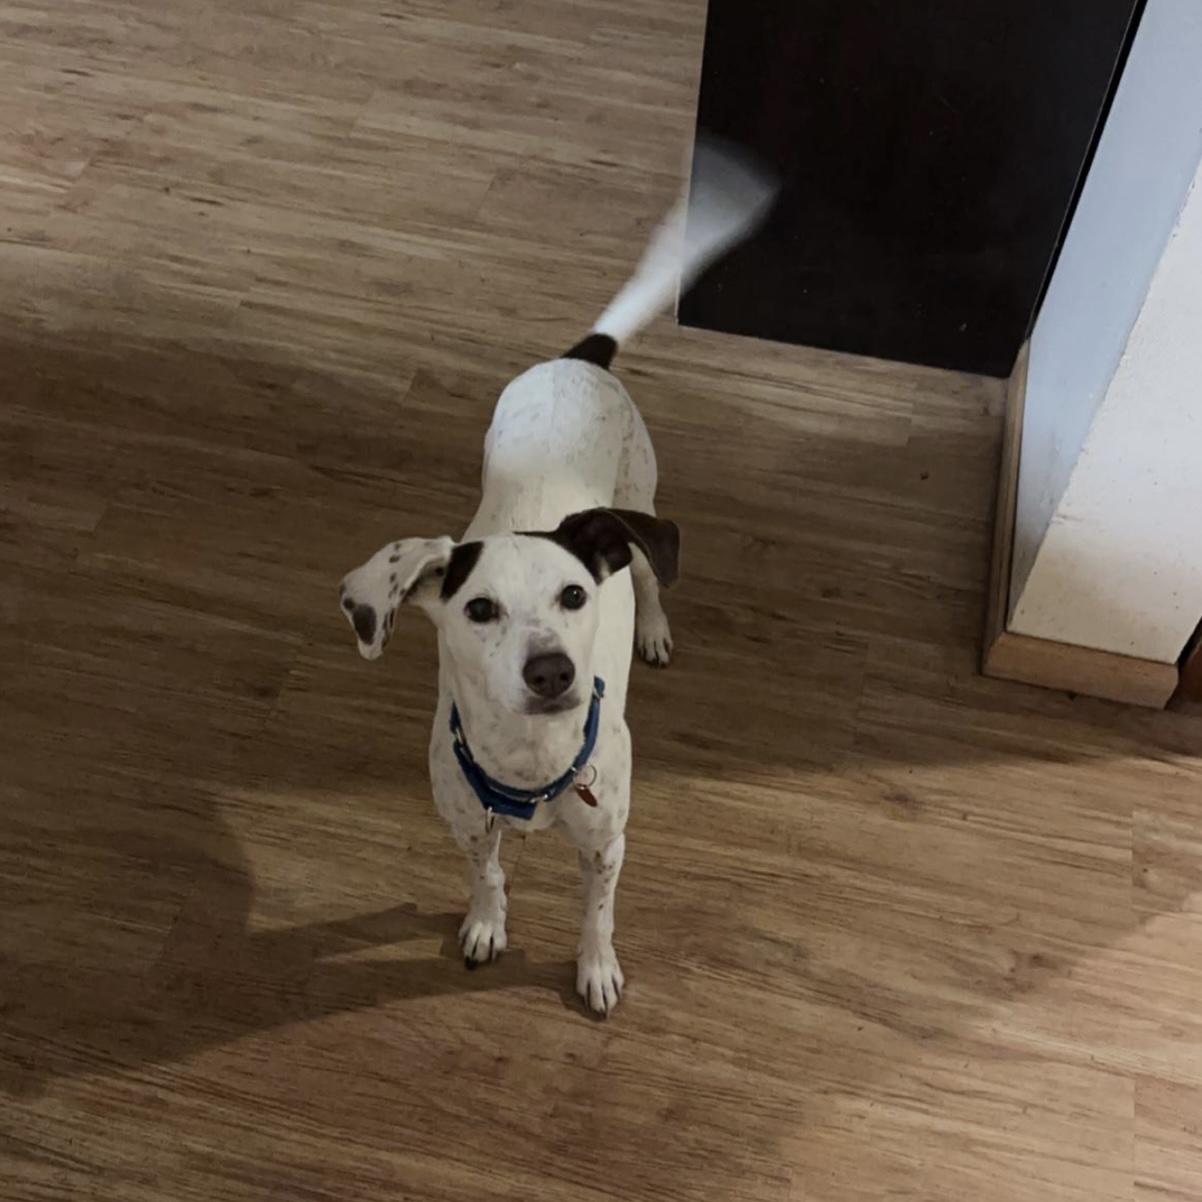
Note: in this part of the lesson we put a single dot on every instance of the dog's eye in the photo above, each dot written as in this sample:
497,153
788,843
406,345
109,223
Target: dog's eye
482,609
573,597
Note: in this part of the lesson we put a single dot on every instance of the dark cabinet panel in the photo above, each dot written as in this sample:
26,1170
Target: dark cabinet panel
929,151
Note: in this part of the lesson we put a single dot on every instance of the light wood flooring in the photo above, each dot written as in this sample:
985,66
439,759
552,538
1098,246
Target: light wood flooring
891,930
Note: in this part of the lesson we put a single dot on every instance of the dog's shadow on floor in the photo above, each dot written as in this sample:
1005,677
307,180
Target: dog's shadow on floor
216,981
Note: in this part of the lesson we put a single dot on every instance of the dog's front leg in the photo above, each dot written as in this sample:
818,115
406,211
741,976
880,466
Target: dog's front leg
483,931
482,934
599,979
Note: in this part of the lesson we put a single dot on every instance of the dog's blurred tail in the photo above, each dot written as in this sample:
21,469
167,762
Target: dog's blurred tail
729,198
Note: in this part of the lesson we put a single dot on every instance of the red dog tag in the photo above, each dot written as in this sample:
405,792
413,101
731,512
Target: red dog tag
587,777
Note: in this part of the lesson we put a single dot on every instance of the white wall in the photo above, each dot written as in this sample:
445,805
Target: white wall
1120,567
1131,202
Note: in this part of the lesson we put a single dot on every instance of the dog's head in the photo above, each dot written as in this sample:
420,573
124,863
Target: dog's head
517,612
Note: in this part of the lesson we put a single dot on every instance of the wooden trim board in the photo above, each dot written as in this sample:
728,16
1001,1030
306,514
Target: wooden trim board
1044,662
1080,670
998,605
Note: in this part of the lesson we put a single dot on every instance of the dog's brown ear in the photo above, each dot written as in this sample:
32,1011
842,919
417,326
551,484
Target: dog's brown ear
602,540
401,571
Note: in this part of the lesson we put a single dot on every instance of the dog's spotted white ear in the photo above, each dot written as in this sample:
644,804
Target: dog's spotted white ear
402,571
602,540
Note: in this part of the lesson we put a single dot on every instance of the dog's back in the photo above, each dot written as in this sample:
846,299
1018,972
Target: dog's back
565,434
555,446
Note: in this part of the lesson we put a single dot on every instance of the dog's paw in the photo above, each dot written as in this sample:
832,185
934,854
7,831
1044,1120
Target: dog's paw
599,981
653,639
482,937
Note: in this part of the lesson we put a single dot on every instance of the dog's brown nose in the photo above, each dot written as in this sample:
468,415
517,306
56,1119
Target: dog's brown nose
549,675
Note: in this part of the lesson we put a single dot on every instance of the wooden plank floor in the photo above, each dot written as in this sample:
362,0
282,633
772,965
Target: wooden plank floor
891,930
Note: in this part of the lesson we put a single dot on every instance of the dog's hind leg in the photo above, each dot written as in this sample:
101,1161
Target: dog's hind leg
635,489
652,634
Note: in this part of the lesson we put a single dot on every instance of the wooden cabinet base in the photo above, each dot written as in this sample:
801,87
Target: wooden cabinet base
1080,670
1043,662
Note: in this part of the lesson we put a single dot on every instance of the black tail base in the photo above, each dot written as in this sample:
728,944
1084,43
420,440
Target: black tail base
596,348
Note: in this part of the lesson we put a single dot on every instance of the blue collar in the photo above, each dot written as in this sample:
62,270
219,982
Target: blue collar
521,803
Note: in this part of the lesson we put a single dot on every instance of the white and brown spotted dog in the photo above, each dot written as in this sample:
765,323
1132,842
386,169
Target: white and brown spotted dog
536,617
